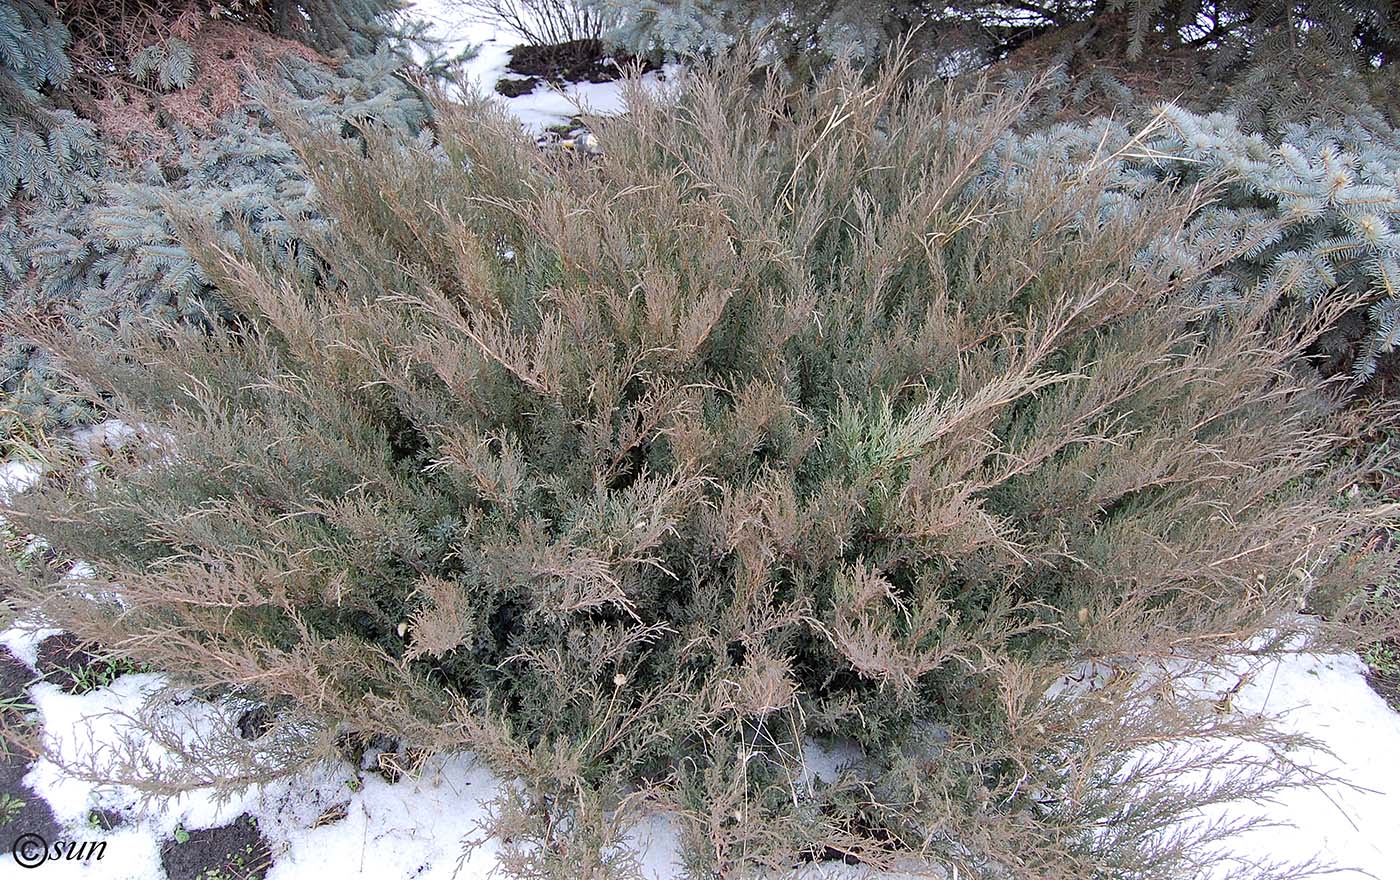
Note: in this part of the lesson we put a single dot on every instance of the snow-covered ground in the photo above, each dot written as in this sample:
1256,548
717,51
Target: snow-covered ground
338,819
412,829
1354,826
548,105
418,827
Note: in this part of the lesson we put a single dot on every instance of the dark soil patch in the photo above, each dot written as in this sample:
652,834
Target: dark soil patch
14,677
874,843
79,667
1386,682
829,854
105,819
576,61
32,815
236,851
514,88
254,723
62,660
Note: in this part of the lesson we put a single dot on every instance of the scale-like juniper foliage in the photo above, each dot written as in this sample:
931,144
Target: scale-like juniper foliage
777,421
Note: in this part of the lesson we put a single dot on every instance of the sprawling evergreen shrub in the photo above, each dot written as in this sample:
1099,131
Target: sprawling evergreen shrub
775,421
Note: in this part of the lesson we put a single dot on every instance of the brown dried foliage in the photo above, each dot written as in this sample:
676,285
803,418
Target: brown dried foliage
230,43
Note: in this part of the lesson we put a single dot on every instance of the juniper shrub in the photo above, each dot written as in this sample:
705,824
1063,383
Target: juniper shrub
775,424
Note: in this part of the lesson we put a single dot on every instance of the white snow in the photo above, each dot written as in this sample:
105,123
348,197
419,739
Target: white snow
1351,824
95,727
416,828
108,434
1355,827
547,105
22,638
15,477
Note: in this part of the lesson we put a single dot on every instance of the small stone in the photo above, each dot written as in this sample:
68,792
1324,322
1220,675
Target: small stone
588,143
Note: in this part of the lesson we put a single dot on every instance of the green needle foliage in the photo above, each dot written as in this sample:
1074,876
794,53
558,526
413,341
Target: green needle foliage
776,423
103,262
1309,214
102,106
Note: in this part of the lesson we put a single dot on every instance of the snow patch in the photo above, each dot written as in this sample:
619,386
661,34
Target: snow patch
22,639
418,827
547,105
1357,826
108,434
412,828
89,730
16,477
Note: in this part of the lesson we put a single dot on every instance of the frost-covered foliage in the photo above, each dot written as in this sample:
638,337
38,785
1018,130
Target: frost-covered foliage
635,472
83,236
1232,29
1312,213
109,260
47,154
